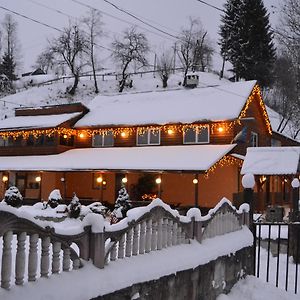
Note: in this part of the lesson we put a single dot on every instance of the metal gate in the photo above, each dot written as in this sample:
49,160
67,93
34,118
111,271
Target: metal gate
277,254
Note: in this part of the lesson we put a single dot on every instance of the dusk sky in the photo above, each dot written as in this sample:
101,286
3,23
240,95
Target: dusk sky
167,15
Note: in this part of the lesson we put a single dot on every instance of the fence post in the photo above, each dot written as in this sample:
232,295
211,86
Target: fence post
295,214
97,239
248,183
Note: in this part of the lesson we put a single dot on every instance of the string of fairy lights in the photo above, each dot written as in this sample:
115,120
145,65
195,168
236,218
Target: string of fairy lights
215,127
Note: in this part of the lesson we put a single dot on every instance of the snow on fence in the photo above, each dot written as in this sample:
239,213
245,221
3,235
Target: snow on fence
145,229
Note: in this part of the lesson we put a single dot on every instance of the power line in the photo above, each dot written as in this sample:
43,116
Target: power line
28,18
139,19
212,6
117,18
44,24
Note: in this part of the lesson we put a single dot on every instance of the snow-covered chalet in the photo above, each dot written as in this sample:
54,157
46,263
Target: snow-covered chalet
185,146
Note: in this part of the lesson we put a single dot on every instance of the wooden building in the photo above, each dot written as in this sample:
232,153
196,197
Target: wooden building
190,141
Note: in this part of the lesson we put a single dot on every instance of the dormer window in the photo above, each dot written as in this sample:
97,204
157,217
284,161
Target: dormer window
103,139
196,135
148,137
254,139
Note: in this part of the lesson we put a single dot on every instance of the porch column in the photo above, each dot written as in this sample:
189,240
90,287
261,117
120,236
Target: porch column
196,192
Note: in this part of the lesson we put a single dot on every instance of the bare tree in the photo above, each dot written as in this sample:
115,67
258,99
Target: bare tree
94,31
133,47
69,48
195,50
164,67
45,61
287,71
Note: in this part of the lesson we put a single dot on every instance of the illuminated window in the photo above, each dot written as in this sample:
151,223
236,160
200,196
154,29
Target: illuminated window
198,135
254,139
103,140
148,137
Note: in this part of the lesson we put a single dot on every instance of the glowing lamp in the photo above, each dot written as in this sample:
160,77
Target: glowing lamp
170,131
158,180
124,179
82,135
4,178
195,181
123,134
38,178
65,136
99,179
104,182
220,129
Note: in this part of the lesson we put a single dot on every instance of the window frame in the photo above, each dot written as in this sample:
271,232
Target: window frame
103,135
148,131
196,133
254,134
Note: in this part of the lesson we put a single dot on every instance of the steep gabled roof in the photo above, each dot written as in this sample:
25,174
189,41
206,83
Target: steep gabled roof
217,103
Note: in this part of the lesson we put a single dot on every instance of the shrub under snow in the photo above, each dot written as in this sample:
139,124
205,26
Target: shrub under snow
13,197
54,198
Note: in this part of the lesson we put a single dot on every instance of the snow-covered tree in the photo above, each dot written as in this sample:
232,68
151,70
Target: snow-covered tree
74,207
122,204
10,47
54,198
13,197
246,40
131,48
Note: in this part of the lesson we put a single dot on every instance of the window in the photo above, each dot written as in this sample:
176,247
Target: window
148,137
197,135
254,139
66,140
103,140
275,143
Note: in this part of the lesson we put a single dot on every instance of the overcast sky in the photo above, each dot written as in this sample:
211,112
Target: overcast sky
168,15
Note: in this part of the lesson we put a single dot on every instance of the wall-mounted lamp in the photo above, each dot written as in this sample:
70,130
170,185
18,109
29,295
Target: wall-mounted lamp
38,178
4,178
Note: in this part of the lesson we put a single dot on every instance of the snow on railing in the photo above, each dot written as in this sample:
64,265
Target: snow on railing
145,229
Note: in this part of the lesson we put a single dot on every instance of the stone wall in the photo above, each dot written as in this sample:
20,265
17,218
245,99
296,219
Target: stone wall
205,282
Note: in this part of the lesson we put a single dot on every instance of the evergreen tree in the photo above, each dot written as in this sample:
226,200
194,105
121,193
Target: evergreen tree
246,40
122,204
8,67
74,207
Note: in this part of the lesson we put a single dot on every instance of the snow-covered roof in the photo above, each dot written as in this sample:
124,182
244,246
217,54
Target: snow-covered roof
217,103
272,161
160,158
39,121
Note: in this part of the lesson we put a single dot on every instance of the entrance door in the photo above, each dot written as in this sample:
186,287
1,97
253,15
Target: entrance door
21,183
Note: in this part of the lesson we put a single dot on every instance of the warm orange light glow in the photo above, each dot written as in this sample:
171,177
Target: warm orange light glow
195,181
104,182
82,135
123,134
65,136
170,131
38,178
220,129
4,178
99,179
124,179
158,180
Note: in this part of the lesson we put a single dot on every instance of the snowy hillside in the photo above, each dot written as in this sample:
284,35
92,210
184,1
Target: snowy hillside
55,93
